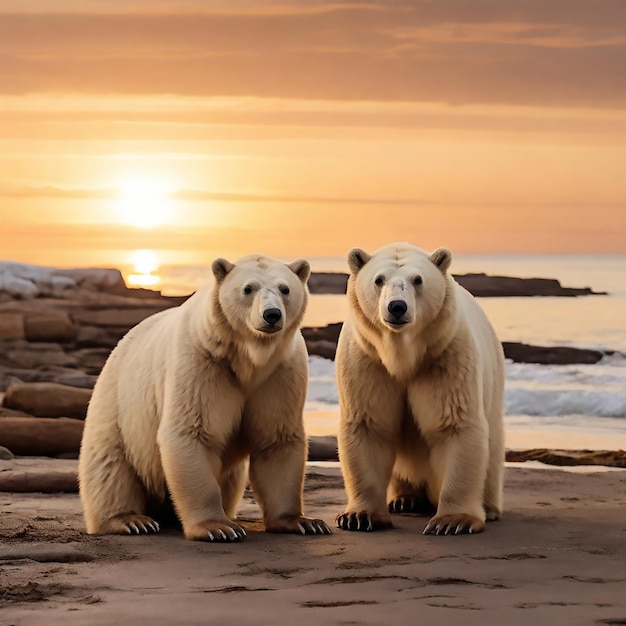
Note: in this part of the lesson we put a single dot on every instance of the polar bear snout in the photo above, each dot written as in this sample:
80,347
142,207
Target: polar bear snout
272,316
395,313
397,308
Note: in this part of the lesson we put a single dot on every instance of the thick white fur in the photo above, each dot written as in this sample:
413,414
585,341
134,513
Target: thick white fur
422,399
192,394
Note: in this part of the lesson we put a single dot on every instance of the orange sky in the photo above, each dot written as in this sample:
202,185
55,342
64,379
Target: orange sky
307,127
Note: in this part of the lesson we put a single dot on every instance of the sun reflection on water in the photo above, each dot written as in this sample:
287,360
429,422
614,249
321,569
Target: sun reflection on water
145,265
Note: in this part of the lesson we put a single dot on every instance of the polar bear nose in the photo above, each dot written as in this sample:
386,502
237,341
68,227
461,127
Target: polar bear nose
397,308
272,316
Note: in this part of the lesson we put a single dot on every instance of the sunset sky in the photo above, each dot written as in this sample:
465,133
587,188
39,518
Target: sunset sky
203,128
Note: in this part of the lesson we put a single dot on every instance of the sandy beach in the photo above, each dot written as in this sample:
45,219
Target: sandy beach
557,556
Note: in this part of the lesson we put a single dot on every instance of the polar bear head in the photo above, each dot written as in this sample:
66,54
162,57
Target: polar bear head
261,296
399,286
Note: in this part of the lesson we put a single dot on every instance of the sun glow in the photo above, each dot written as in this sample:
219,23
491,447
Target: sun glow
145,203
145,264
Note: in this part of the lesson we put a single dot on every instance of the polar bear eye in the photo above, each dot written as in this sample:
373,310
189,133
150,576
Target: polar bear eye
284,290
417,280
380,281
247,290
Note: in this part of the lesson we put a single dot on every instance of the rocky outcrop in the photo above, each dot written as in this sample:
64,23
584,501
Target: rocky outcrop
322,342
41,436
481,285
551,355
485,286
609,458
47,400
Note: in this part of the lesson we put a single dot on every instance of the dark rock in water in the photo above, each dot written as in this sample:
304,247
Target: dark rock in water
546,355
322,341
608,458
48,399
484,286
323,333
481,285
325,349
328,283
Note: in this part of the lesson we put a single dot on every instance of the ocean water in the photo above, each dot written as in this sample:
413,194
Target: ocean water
582,406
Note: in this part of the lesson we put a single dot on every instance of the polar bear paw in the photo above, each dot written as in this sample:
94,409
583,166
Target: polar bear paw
363,520
492,513
133,524
215,531
299,525
411,503
455,524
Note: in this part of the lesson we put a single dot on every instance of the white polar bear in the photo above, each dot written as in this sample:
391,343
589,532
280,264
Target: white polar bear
193,393
421,382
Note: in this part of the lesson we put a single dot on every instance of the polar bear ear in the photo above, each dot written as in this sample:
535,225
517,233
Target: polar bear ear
301,268
221,268
357,258
442,258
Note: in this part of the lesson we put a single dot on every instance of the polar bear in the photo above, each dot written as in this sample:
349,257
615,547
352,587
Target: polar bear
421,382
193,394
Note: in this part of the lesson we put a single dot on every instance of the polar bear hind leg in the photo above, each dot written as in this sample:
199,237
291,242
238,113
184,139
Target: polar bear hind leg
112,495
233,484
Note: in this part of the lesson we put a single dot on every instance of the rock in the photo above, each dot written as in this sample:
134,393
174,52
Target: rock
327,283
123,318
49,326
98,337
6,454
323,333
325,349
322,342
6,412
73,378
481,285
48,399
40,436
30,355
484,286
556,355
609,458
92,360
11,325
323,449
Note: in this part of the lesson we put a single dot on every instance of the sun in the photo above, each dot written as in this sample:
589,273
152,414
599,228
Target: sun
144,202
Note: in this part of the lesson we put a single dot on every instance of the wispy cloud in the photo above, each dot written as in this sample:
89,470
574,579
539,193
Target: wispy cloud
552,52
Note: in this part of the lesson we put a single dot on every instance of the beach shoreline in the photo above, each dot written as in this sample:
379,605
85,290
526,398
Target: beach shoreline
555,557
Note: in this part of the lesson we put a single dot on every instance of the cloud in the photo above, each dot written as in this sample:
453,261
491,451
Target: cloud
537,52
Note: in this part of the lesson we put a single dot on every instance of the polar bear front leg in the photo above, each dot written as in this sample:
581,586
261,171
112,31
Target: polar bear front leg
277,476
192,469
366,461
460,465
275,432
